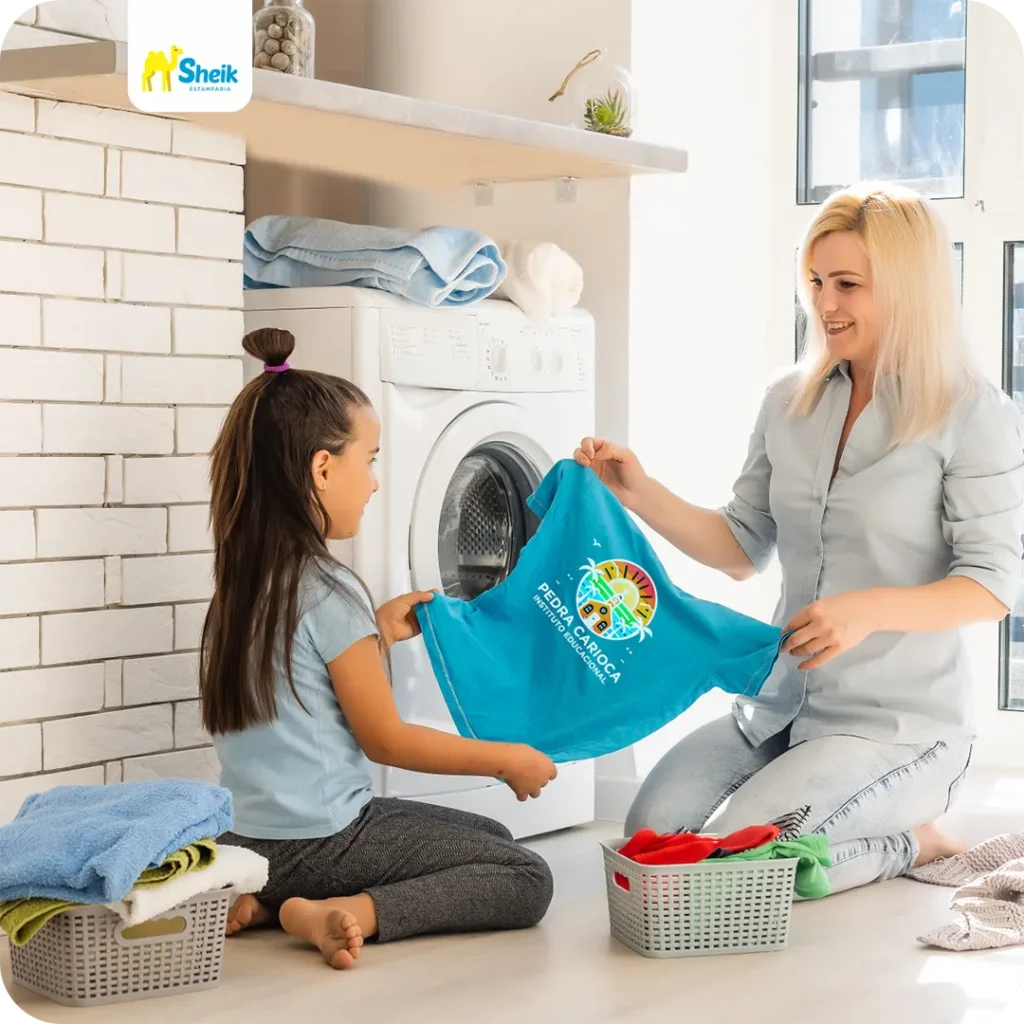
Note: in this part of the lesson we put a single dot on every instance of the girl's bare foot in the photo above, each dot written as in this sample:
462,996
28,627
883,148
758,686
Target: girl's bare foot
327,924
246,912
935,845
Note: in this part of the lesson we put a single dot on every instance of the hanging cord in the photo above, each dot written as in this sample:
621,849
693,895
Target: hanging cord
582,63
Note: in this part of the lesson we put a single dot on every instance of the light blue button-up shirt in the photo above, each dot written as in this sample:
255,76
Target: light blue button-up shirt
894,516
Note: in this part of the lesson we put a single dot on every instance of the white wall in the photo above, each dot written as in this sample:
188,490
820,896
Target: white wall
702,344
120,295
508,56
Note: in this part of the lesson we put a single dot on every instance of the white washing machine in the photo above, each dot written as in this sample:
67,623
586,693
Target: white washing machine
476,405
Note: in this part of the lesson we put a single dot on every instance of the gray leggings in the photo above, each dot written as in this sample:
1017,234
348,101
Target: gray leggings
429,870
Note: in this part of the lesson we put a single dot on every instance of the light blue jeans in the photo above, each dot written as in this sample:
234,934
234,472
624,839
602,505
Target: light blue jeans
866,797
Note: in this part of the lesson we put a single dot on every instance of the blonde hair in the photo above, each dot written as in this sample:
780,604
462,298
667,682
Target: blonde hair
922,369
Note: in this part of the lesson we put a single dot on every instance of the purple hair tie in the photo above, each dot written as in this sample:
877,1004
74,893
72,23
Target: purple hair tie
275,369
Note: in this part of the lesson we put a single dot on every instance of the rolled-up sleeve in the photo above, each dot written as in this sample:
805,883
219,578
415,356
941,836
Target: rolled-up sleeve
983,497
748,514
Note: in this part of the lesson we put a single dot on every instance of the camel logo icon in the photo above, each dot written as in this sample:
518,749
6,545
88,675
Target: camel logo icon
156,61
189,55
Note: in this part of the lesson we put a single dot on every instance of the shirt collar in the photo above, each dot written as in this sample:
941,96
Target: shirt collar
842,367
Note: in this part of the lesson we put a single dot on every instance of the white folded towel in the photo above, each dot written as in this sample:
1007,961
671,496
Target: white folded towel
543,280
234,866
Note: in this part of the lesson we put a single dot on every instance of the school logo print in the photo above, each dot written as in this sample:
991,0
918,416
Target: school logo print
616,599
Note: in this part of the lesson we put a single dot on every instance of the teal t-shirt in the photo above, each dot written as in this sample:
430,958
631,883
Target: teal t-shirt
587,646
304,776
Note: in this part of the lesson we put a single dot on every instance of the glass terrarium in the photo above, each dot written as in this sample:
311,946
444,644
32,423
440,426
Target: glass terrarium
601,96
283,36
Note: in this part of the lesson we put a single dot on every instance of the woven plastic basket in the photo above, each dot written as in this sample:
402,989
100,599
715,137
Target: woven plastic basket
698,909
87,956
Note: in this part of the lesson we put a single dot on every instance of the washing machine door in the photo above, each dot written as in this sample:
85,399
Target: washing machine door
470,518
469,524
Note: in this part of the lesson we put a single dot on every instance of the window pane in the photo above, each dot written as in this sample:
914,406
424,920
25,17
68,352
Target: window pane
882,94
1011,673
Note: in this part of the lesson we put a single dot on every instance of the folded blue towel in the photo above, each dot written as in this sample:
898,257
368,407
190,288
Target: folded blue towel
439,266
89,844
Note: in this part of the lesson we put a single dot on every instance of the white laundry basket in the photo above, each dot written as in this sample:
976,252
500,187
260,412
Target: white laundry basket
87,956
698,909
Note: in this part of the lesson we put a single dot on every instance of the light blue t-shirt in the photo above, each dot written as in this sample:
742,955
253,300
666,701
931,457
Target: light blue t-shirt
304,776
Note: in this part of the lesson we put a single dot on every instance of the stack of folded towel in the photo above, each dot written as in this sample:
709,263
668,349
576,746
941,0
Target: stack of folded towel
140,848
438,266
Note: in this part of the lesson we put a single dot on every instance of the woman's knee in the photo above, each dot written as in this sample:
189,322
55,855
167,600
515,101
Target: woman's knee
656,808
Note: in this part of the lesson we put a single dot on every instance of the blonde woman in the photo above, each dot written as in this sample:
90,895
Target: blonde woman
887,477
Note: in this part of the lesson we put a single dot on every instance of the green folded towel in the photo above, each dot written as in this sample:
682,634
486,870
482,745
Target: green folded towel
811,851
194,857
21,919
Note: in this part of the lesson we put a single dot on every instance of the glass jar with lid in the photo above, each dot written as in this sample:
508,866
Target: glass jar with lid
283,37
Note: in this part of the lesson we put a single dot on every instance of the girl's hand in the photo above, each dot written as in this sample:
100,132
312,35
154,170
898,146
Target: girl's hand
528,771
397,618
830,626
617,468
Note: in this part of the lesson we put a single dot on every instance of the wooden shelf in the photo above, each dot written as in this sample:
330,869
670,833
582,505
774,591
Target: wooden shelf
356,132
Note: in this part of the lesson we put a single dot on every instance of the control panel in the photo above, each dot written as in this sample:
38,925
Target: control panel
463,351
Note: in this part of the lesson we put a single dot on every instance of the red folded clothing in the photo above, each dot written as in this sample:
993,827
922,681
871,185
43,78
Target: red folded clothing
647,847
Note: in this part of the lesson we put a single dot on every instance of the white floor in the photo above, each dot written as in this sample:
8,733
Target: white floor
852,959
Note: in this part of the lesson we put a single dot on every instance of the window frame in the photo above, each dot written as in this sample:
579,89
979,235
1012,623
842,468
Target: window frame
814,195
1007,702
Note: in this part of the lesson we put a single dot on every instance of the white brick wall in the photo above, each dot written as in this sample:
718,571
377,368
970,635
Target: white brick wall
21,212
188,727
196,429
50,376
167,578
165,481
151,680
120,296
189,528
17,536
129,430
208,332
81,532
167,380
21,749
27,587
20,317
188,625
112,223
21,428
105,326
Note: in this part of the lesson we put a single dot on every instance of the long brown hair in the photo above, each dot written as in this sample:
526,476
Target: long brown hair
269,527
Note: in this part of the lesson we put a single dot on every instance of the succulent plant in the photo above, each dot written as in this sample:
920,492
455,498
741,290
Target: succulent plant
608,114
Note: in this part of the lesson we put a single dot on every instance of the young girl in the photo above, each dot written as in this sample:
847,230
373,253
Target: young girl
296,694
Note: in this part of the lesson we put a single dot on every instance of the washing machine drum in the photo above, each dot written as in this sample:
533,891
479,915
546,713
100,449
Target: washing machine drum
485,521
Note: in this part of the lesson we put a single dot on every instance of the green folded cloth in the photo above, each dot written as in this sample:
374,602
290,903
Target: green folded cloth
194,857
811,851
21,919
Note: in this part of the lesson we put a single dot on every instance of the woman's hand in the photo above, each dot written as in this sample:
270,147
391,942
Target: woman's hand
617,468
830,626
397,618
